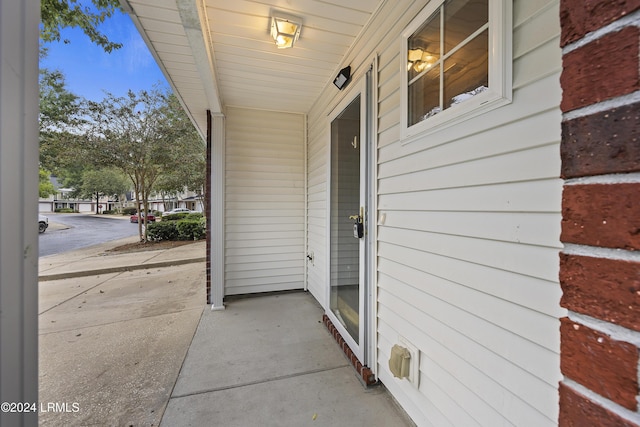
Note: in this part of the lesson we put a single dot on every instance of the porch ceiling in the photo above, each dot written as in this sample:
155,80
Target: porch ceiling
219,53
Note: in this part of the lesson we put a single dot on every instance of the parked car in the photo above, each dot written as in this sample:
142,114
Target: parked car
177,210
150,218
43,223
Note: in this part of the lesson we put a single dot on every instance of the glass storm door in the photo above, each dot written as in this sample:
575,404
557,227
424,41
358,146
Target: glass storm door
348,222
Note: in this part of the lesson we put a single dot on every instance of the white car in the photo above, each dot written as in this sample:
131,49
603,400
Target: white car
177,210
43,223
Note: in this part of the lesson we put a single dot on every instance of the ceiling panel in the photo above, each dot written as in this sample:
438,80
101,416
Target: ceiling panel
236,53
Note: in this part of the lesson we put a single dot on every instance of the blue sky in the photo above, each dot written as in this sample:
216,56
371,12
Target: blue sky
89,71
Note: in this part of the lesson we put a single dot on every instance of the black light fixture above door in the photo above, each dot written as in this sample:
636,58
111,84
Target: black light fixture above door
343,77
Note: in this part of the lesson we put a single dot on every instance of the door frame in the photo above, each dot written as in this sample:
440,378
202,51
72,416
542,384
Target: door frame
363,86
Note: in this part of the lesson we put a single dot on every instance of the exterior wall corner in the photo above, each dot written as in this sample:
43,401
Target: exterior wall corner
599,266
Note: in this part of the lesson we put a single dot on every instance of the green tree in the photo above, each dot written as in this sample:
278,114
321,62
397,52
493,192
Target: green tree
59,120
107,181
45,186
188,170
58,14
132,134
59,108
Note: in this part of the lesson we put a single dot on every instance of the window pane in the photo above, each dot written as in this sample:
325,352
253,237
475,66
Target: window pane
461,19
424,97
424,46
467,71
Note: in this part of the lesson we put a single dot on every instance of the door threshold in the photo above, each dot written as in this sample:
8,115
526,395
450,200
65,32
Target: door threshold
365,374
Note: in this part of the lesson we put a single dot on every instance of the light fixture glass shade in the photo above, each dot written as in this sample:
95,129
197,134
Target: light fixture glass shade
414,55
285,31
419,60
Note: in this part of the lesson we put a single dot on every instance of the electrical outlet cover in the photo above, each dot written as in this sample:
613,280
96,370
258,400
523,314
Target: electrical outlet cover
414,370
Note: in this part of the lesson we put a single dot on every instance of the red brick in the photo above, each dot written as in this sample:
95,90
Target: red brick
602,143
367,376
576,410
600,363
581,17
606,215
606,289
603,69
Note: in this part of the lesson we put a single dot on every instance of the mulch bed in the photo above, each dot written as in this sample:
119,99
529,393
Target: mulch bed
151,246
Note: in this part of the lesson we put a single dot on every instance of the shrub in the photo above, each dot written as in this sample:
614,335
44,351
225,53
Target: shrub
64,210
190,229
129,211
175,217
159,231
194,216
183,229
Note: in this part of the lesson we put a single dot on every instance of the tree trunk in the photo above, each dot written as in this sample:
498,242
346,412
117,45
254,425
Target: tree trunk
138,190
145,205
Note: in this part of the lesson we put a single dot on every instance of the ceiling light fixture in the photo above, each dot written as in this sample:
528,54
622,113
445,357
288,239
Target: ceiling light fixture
420,60
285,29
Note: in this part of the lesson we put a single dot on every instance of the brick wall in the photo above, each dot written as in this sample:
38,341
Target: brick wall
600,263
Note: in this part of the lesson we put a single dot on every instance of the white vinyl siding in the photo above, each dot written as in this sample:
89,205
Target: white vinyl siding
468,233
264,210
317,187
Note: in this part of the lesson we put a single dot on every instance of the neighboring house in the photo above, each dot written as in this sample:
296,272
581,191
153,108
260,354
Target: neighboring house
63,200
490,173
439,148
186,199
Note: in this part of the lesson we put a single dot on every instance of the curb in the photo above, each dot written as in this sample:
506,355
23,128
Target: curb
74,274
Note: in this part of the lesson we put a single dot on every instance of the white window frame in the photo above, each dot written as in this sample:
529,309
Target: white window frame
500,73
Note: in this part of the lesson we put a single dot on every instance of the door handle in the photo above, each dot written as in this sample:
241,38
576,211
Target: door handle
359,216
358,225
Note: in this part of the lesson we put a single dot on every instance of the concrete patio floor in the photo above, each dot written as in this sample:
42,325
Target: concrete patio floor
128,340
269,361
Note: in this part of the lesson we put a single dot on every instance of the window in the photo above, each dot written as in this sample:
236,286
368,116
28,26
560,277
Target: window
457,63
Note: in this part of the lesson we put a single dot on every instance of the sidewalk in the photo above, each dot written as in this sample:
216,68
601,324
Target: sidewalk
129,339
112,343
95,260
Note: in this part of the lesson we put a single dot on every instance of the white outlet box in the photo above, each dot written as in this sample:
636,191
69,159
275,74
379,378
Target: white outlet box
414,366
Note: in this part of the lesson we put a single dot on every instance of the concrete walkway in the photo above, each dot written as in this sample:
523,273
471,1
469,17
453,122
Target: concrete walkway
128,339
112,344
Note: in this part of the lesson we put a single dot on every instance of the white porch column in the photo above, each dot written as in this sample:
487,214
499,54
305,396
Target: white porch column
19,207
217,196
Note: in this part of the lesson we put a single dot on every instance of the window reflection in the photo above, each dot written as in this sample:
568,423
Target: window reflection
448,63
467,71
463,18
